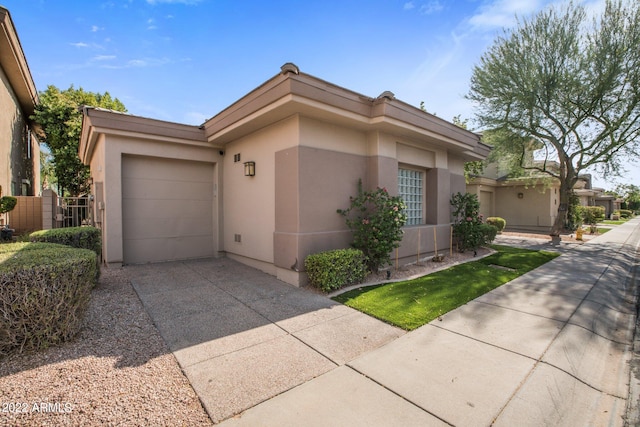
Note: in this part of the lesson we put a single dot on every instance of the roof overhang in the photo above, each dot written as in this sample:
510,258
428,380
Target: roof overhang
293,93
15,66
97,121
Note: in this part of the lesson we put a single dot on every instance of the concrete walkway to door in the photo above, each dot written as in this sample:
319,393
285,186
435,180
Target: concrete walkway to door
242,336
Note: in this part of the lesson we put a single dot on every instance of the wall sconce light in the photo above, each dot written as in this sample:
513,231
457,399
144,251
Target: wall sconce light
520,196
249,168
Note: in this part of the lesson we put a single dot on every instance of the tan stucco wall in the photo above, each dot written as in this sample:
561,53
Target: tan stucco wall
106,167
317,177
15,163
537,207
249,203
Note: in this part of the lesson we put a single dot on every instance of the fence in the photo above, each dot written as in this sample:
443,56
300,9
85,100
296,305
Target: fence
27,215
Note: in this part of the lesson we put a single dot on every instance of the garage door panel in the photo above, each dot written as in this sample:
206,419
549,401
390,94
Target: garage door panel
167,249
170,208
167,209
168,227
166,190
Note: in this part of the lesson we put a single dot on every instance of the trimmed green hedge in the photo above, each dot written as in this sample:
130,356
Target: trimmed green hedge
624,213
591,214
44,292
497,222
76,237
334,269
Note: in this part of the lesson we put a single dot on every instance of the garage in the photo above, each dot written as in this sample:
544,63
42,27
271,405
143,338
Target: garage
167,209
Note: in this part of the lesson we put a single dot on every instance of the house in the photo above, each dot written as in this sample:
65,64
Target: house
261,181
530,203
19,147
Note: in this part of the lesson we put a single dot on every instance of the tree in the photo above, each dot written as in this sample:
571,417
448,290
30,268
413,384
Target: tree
631,195
60,119
569,88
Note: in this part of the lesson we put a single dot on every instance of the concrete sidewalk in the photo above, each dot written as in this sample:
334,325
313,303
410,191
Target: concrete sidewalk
551,348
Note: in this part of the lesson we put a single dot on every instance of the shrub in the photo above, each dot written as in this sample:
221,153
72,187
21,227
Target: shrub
625,213
468,228
591,214
376,220
7,204
76,237
337,268
44,292
497,222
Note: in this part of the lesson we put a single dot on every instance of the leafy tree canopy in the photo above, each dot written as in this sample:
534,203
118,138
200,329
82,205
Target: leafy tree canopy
60,118
631,195
568,85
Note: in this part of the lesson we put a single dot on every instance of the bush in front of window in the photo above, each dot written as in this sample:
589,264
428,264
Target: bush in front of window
334,269
497,222
376,219
468,229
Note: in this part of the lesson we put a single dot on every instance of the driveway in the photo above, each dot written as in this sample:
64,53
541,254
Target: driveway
242,337
551,348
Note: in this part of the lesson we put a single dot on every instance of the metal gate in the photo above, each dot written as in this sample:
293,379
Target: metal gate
74,211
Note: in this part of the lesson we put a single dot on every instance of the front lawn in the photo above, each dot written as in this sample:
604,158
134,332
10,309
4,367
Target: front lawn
413,303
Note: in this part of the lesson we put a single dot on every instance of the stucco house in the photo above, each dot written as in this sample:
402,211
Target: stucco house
19,147
531,202
261,181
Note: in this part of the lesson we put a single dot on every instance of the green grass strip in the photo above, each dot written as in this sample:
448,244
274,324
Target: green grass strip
413,303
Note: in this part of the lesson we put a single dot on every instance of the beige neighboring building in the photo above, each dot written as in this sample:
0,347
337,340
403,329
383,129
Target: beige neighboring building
261,181
531,203
19,147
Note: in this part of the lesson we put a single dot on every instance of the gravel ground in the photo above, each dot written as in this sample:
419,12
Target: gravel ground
116,372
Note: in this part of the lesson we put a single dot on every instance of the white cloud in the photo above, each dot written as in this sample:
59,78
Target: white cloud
502,13
104,57
426,8
94,28
79,44
431,7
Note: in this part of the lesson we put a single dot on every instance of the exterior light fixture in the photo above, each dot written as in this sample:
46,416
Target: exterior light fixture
520,195
249,168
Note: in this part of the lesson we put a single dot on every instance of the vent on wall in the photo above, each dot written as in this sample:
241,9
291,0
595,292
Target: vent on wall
237,238
236,158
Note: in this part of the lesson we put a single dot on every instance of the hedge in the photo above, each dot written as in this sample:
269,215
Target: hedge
76,237
44,292
337,268
497,222
624,213
591,214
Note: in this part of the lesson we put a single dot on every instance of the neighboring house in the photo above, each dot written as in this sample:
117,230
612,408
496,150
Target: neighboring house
531,202
262,180
19,147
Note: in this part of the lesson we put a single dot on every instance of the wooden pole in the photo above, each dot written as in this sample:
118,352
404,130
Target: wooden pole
396,258
450,241
418,259
435,241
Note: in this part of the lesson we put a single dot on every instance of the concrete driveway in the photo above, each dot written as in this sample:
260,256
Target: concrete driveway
242,337
551,348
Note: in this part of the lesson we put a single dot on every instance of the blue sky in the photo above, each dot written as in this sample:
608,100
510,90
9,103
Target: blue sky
186,60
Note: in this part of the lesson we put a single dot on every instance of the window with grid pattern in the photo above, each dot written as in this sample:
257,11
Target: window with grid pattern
410,189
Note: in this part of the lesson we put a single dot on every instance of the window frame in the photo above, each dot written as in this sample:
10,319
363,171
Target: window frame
412,219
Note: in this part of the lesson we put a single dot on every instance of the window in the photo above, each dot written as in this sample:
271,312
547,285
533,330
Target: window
410,189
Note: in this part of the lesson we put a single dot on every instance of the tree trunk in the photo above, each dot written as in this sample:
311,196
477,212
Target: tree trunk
568,179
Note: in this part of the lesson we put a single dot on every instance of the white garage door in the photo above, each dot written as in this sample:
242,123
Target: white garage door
167,209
